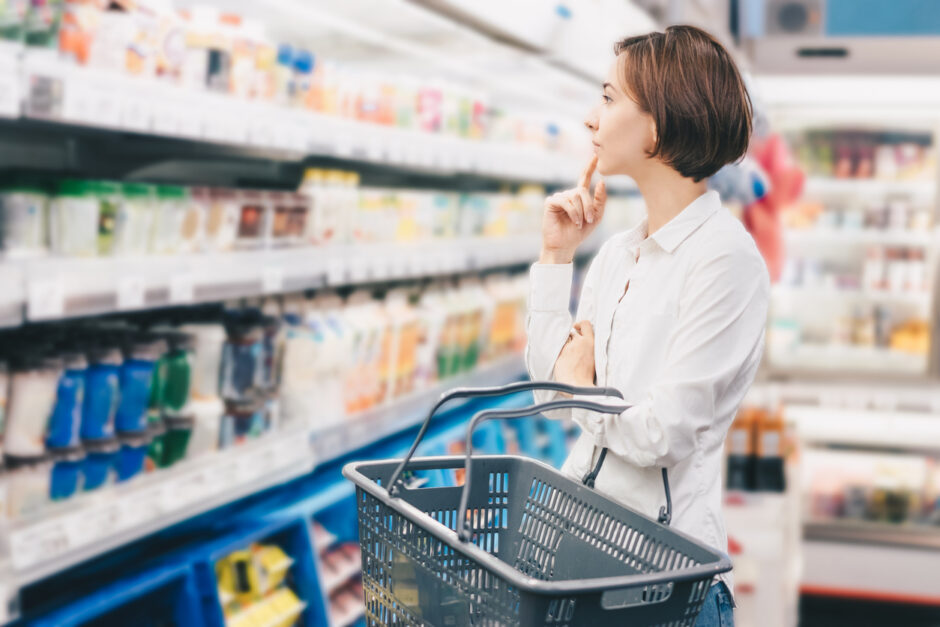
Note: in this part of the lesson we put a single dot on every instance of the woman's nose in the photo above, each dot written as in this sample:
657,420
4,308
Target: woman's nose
591,121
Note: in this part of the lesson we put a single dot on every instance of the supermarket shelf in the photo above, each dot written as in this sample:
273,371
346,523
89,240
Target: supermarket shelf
867,571
337,440
808,359
54,288
11,296
332,583
869,188
858,237
863,532
57,92
870,429
808,294
99,522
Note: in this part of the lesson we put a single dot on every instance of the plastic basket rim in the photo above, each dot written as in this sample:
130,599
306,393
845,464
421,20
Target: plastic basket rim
722,563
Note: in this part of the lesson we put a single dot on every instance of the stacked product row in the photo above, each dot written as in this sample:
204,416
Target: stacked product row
100,218
203,49
882,488
867,154
850,216
342,357
757,446
87,404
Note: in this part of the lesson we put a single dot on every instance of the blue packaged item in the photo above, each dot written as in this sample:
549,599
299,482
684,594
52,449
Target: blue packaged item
133,454
66,418
67,466
102,394
100,460
136,380
242,375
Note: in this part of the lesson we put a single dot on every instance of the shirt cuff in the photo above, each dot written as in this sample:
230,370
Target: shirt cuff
550,286
591,422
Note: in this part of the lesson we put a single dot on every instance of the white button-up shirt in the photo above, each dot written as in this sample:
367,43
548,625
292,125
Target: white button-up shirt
682,345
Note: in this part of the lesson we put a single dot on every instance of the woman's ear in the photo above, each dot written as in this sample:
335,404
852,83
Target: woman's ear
651,135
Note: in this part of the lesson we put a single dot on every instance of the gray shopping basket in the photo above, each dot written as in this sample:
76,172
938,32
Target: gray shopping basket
519,543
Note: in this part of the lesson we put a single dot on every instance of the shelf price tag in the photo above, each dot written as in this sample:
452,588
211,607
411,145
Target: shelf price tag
272,280
45,299
335,272
141,507
182,289
37,544
130,292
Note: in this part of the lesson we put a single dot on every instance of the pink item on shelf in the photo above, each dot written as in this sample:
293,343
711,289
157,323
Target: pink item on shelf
762,218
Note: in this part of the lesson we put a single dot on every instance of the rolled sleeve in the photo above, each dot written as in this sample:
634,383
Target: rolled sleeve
550,287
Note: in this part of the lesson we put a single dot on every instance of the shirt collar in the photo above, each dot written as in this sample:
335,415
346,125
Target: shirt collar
674,232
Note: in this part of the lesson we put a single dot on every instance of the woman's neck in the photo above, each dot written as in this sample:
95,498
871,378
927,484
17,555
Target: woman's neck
666,193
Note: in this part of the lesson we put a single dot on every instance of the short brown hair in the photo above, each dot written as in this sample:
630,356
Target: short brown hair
689,83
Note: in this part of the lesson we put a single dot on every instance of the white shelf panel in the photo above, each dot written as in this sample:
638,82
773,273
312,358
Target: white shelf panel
847,359
870,189
809,294
859,237
53,288
874,533
866,427
94,523
860,570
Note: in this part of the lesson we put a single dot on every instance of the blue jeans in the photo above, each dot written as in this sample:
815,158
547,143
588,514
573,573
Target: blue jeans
717,609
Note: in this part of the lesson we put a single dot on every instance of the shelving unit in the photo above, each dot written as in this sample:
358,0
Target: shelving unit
106,101
82,529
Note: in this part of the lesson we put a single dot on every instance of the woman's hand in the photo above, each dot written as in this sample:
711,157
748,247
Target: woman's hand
575,364
570,216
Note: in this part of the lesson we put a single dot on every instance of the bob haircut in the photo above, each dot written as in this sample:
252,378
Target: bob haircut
686,80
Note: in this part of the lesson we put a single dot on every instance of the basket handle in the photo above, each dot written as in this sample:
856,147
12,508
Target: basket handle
501,390
665,513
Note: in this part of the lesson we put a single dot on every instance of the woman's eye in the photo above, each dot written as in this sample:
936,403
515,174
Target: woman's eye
605,98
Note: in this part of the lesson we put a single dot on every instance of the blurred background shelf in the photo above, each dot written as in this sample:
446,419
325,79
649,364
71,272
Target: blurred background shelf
874,533
858,237
864,571
820,293
807,359
870,189
868,428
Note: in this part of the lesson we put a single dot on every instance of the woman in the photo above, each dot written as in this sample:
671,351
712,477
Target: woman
672,312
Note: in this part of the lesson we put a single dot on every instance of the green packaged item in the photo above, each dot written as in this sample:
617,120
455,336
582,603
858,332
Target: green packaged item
109,199
156,452
178,432
178,373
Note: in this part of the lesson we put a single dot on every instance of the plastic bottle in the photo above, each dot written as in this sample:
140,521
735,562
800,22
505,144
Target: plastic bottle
102,393
74,215
23,221
66,417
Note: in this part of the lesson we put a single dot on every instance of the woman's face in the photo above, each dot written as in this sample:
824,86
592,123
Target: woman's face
622,133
